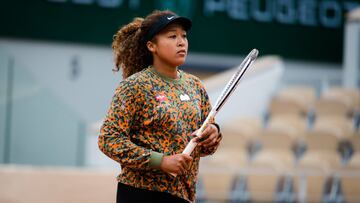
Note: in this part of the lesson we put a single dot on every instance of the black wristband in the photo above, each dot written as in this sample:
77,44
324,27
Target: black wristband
217,126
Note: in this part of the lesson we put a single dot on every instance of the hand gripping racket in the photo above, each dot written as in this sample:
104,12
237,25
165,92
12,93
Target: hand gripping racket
226,93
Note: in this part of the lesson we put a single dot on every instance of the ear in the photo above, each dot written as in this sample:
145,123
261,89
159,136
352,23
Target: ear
151,46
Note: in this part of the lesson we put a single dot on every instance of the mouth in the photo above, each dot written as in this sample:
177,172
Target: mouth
182,52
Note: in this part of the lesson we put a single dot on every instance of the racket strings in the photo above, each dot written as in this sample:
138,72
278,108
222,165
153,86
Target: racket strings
230,87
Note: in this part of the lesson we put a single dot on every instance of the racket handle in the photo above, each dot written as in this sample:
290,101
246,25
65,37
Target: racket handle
188,150
189,147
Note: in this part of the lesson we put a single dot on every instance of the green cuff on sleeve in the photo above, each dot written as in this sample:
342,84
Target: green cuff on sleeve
155,159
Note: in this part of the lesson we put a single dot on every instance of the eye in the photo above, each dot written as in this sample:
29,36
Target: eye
184,36
172,36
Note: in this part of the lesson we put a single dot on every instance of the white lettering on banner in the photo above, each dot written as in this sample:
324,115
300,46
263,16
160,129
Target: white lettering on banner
307,13
326,13
83,2
211,6
285,11
110,3
260,15
326,18
238,9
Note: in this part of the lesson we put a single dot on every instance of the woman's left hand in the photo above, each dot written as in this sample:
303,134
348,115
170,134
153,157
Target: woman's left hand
208,138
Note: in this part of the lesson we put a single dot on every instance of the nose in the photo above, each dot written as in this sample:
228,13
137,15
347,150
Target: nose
181,42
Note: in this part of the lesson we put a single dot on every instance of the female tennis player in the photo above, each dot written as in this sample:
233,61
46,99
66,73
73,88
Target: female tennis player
155,112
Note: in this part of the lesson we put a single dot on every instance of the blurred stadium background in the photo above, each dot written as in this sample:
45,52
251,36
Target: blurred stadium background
291,130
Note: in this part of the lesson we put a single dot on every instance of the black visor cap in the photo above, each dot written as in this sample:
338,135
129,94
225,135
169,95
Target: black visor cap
164,21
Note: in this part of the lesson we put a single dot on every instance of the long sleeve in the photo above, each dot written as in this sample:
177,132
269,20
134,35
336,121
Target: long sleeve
114,139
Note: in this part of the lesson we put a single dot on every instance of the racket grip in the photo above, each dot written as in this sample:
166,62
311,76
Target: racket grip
189,147
188,150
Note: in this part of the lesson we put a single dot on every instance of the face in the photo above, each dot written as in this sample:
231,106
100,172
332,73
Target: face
170,46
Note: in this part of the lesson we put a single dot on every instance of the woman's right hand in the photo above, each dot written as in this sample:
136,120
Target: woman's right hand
176,164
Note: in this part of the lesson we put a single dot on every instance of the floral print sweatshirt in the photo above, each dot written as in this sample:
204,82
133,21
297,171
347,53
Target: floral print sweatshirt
152,115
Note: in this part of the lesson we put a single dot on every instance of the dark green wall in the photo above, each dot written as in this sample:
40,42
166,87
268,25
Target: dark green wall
311,30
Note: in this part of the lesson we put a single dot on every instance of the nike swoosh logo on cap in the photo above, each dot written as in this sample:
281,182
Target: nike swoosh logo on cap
169,18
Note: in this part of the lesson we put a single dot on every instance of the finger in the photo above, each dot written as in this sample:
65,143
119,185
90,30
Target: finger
195,138
206,132
183,161
210,139
187,161
185,167
219,137
180,168
209,130
194,133
213,143
213,126
214,129
187,158
204,136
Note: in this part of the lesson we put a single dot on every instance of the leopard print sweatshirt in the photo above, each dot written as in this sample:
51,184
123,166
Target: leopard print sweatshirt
152,115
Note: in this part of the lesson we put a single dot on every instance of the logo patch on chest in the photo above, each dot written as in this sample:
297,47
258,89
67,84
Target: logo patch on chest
161,97
184,97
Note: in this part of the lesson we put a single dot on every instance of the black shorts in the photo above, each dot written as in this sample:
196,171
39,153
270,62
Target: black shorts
129,194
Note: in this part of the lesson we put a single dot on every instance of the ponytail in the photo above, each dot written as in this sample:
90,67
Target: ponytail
130,54
130,51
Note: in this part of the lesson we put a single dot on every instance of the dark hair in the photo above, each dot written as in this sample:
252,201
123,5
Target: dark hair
130,51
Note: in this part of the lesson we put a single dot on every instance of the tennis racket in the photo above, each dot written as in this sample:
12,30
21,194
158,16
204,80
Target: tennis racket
224,96
226,93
